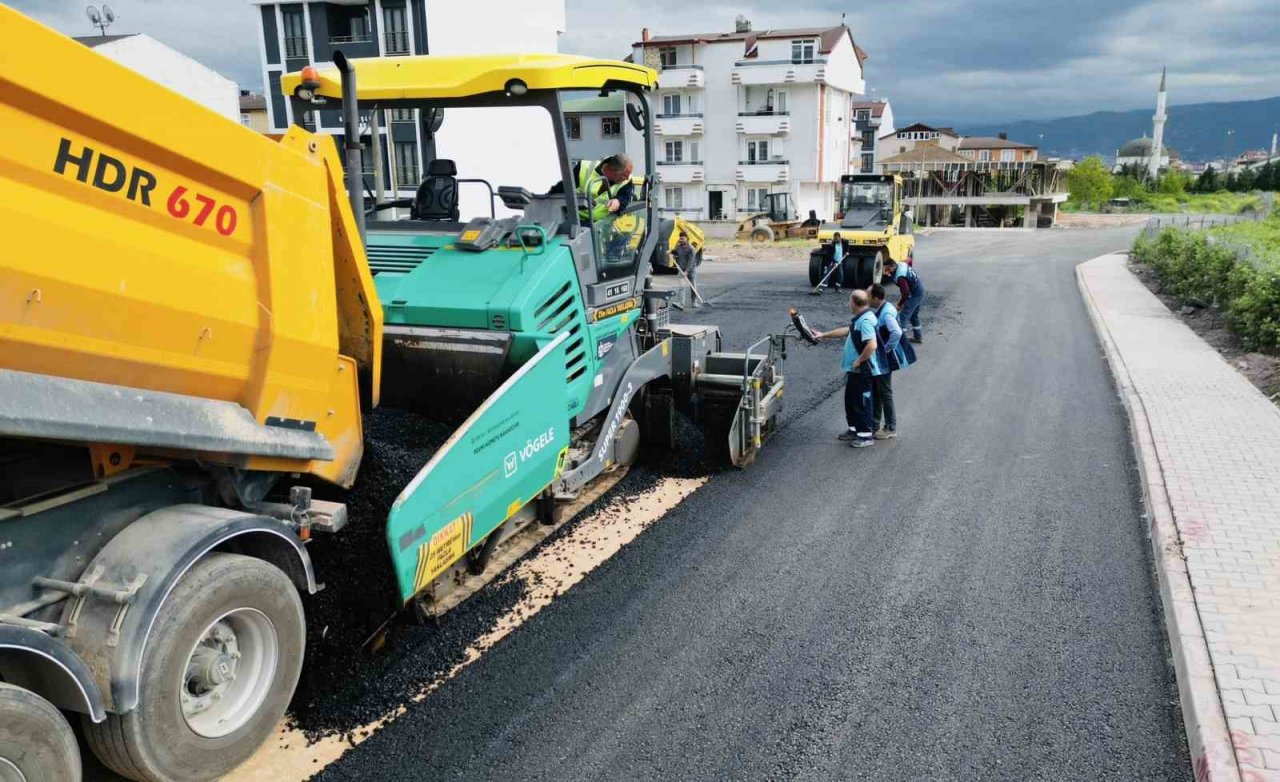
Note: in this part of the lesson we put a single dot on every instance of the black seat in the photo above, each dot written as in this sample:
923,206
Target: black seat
437,196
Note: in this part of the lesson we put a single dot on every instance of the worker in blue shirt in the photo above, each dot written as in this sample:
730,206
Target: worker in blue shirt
895,353
837,261
860,363
911,296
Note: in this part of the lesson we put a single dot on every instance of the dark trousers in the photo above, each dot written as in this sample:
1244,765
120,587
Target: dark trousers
858,403
882,399
836,279
909,313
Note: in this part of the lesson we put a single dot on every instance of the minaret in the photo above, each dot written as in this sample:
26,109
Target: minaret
1157,133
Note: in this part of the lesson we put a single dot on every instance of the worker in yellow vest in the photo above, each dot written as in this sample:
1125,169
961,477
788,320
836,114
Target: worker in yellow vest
606,184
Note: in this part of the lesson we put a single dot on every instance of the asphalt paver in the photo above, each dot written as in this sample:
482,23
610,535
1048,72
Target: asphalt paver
971,601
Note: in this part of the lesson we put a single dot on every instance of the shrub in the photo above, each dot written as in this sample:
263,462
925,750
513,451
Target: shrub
1192,269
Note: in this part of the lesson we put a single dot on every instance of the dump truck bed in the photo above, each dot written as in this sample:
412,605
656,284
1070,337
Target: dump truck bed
211,265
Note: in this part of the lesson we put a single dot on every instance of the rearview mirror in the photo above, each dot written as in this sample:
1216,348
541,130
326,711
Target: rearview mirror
635,115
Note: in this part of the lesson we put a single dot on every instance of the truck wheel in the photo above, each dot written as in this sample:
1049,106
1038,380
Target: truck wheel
36,743
815,267
851,271
877,268
217,672
761,234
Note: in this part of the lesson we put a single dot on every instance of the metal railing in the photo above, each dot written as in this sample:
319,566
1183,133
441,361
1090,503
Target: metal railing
679,67
396,42
679,162
365,38
295,46
694,114
775,162
1243,252
764,113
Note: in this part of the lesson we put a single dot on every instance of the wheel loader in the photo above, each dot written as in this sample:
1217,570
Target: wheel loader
194,321
873,225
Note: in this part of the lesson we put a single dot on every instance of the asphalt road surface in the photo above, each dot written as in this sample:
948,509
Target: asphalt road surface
971,601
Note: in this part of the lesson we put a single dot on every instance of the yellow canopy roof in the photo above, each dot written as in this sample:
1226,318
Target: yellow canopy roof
431,76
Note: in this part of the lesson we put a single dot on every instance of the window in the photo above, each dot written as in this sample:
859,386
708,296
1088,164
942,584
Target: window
611,127
295,33
984,154
667,56
864,115
691,104
402,115
1006,156
574,125
675,151
671,105
673,197
757,151
779,102
396,35
868,163
869,139
757,198
349,24
407,164
244,120
802,51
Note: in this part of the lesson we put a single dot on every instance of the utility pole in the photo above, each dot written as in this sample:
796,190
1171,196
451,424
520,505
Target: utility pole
375,149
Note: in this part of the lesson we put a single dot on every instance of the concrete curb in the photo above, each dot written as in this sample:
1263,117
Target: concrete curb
1213,753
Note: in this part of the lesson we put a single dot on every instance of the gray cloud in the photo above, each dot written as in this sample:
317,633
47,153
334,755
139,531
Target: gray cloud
996,60
954,61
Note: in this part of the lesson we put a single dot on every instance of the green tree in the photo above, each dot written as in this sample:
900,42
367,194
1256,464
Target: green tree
1266,177
1127,186
1173,183
1207,181
1231,183
1245,180
1090,182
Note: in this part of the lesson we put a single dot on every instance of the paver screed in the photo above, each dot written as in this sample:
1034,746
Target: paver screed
1208,443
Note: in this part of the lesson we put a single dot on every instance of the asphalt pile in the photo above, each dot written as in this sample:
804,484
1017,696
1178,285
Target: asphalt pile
359,667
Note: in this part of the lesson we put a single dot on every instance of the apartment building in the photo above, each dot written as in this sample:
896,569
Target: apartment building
872,120
985,149
593,126
169,68
295,34
745,113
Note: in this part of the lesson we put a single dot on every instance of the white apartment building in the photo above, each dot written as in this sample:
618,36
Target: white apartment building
742,114
872,121
296,34
170,68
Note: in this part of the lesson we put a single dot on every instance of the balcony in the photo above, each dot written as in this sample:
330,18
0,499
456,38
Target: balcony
681,77
396,43
773,170
749,72
678,124
680,171
764,123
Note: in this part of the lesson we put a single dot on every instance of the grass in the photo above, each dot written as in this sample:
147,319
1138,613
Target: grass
1221,202
1263,237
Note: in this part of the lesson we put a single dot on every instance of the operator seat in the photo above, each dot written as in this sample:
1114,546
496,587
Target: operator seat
437,196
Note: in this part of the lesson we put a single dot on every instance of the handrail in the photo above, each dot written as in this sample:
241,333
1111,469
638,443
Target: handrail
764,113
678,116
762,162
679,162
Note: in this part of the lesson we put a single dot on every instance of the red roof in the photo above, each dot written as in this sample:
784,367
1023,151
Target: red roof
828,38
876,106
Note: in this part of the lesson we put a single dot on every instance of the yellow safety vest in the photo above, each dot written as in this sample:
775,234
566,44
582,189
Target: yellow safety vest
588,180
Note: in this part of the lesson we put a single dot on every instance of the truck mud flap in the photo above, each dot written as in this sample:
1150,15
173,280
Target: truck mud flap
511,448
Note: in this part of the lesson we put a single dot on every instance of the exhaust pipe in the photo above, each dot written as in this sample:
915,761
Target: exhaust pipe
351,144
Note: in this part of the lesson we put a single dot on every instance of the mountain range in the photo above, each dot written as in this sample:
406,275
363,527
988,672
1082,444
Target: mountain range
1197,131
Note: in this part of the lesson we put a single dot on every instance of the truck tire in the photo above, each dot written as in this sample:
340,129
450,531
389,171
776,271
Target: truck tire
815,267
36,742
877,269
218,670
852,268
761,234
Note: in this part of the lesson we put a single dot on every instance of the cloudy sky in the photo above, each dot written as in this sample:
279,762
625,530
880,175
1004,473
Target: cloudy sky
953,61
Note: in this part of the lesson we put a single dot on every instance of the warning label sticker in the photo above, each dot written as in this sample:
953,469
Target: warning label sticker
445,547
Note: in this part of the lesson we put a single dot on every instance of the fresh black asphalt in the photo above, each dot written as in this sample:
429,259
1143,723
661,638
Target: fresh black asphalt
971,601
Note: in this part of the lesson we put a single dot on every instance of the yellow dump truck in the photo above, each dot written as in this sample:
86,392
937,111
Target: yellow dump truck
193,318
184,318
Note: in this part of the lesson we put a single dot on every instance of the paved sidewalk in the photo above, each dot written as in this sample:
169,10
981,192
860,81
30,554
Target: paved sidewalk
1208,444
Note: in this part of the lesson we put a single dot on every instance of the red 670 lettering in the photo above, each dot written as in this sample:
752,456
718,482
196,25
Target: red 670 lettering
224,221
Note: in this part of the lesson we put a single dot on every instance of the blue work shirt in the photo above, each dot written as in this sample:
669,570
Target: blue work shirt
837,251
903,271
862,329
894,353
